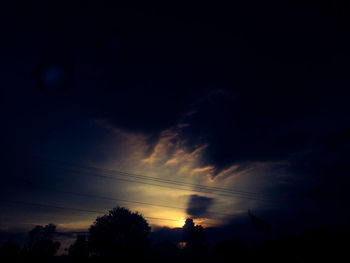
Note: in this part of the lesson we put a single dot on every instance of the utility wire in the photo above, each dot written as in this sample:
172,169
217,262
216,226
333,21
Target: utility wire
102,197
165,186
113,172
203,189
75,209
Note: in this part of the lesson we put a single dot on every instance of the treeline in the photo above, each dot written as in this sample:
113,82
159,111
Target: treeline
124,235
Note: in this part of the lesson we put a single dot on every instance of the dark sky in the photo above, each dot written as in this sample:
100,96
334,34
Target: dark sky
251,97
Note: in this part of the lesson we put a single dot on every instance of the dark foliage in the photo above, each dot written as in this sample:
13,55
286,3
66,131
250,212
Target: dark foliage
123,235
9,249
187,229
79,250
120,232
166,251
316,245
41,242
196,248
228,251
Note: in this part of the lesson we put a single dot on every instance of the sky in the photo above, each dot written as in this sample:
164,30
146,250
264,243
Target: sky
175,112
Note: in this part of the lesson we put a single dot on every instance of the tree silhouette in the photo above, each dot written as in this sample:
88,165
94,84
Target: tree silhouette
41,243
196,248
79,249
9,249
120,232
187,229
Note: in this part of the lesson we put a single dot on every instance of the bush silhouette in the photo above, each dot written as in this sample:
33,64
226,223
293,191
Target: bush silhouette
228,251
9,249
187,229
120,232
41,243
79,249
166,251
196,248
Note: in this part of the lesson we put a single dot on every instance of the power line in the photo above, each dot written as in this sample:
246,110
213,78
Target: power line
151,178
53,206
103,175
168,181
165,186
104,197
203,189
75,209
170,187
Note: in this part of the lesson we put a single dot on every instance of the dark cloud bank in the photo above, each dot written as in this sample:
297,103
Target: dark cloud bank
198,205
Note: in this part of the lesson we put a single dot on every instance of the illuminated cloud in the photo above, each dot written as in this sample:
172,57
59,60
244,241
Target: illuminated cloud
170,158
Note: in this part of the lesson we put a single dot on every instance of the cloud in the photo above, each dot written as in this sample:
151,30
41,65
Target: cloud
171,157
198,205
216,119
